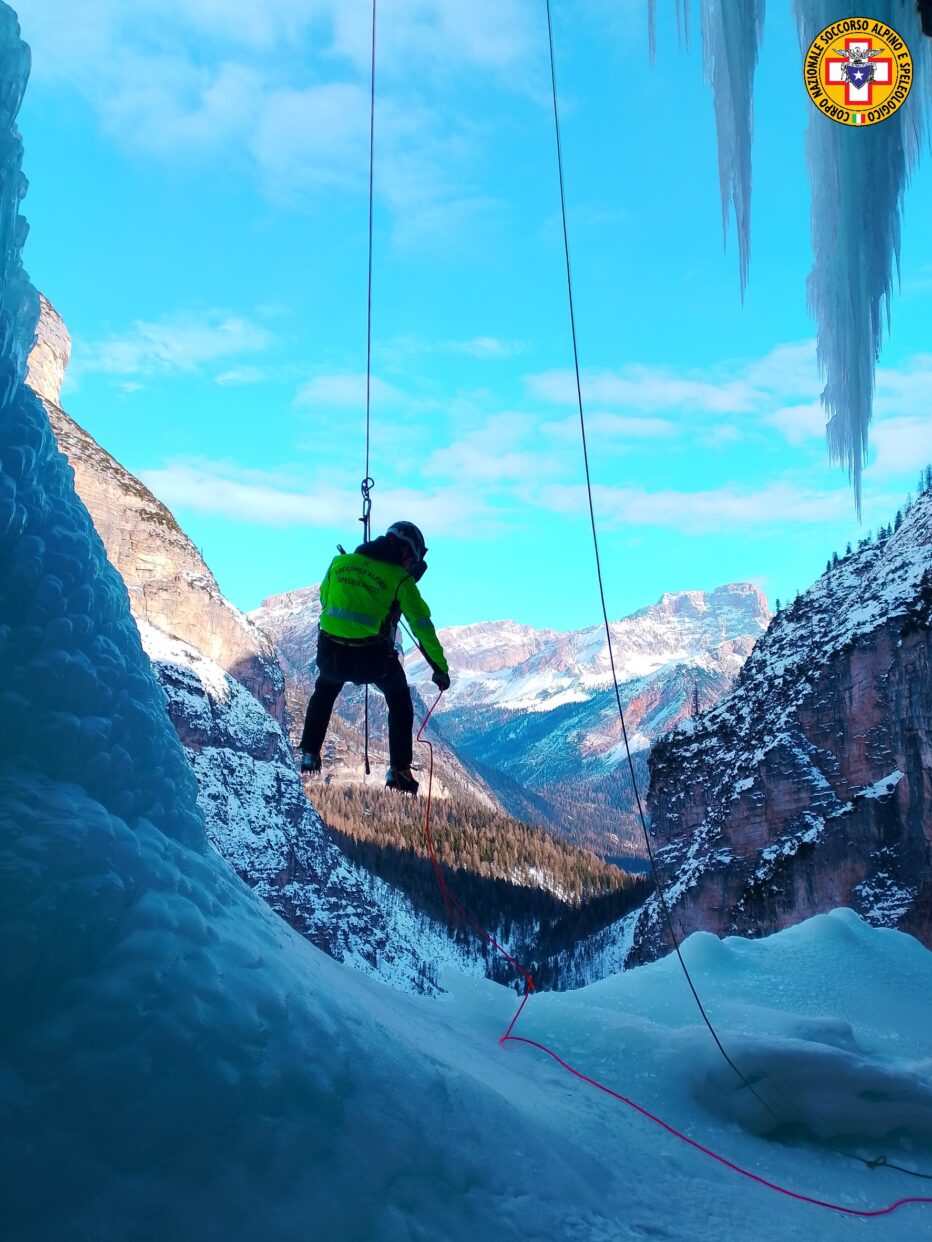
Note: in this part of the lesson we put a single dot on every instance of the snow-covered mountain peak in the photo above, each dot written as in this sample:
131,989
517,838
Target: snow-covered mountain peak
736,609
492,646
518,667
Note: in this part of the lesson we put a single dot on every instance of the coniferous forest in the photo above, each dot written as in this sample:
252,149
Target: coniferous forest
539,895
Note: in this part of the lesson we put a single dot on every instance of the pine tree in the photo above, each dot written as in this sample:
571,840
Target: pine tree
898,520
834,559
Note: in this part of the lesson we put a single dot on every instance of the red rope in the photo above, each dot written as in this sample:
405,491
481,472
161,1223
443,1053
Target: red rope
450,900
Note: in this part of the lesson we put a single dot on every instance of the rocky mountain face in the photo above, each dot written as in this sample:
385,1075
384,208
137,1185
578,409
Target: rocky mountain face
536,709
810,785
168,582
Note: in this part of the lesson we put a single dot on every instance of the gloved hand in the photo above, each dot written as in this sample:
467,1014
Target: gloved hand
441,680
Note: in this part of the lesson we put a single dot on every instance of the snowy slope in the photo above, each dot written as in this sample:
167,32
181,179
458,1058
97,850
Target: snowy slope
178,1063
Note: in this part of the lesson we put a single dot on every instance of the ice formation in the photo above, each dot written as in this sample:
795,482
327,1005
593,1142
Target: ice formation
731,36
859,176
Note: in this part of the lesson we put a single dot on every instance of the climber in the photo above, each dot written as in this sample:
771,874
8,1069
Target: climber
362,597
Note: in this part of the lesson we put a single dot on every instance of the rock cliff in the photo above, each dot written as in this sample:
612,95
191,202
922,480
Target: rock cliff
168,582
810,785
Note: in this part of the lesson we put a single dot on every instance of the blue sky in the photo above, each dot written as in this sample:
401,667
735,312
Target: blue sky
198,209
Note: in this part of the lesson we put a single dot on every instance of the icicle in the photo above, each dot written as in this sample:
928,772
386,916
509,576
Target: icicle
858,176
652,29
682,20
731,31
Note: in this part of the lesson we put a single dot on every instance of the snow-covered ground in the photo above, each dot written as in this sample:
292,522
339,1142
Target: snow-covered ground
216,1077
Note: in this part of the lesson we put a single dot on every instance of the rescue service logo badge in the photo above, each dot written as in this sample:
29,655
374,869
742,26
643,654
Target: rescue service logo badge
858,71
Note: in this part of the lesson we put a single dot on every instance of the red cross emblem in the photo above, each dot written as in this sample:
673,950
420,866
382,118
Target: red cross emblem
858,73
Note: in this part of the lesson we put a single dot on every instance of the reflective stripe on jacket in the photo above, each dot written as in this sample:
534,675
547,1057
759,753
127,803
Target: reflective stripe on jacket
357,595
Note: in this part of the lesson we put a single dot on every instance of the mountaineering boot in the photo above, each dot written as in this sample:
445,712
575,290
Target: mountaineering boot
310,761
400,779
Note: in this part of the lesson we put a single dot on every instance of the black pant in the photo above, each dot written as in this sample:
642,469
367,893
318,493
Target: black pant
373,664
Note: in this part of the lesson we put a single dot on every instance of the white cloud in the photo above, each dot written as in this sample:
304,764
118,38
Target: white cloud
906,390
223,489
347,390
788,370
281,87
799,423
613,430
307,139
484,347
718,510
399,349
502,450
645,388
238,376
177,343
901,446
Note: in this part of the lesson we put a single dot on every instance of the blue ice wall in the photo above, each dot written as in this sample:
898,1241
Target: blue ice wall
78,701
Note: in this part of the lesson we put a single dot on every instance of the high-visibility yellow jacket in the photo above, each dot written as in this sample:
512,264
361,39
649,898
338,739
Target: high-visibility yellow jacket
357,595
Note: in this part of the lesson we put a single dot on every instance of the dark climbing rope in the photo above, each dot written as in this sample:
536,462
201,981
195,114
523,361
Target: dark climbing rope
368,482
668,918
